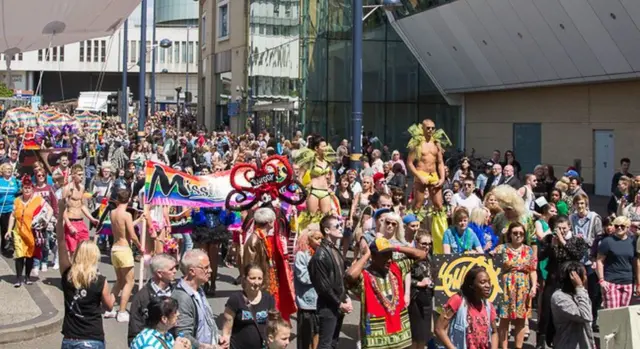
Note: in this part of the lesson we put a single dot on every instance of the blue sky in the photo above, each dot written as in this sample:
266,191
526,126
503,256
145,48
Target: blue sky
134,19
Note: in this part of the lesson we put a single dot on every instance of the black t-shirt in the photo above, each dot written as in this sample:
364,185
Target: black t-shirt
244,333
83,310
618,264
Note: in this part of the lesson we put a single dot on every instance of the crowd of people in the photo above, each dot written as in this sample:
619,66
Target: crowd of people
366,235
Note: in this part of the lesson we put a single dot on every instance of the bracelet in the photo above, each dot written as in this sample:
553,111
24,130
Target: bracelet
601,281
397,248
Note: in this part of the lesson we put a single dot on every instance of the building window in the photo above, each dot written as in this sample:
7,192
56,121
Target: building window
190,52
96,50
61,54
47,54
39,55
162,54
20,56
287,9
176,51
203,30
169,54
81,51
223,20
88,50
184,52
103,50
276,9
132,52
147,56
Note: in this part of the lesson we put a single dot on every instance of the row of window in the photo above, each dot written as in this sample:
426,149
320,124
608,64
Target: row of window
277,30
54,54
93,51
179,52
3,57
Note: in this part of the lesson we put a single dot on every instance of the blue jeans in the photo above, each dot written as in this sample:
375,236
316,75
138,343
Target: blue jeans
45,248
89,172
81,344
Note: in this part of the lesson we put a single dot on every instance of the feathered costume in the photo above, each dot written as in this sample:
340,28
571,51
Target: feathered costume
439,219
306,159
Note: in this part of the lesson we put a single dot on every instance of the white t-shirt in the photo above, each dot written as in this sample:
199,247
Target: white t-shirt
469,202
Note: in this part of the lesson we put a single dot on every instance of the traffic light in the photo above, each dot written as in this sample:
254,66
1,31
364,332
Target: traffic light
188,97
113,104
146,105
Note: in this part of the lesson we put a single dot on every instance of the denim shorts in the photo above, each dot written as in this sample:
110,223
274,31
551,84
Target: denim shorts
81,344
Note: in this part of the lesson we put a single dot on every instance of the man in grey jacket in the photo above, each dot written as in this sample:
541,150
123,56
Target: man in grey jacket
195,318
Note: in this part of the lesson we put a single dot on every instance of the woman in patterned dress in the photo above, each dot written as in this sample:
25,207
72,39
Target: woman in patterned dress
519,284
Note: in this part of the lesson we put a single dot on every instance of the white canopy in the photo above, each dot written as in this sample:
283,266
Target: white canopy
27,25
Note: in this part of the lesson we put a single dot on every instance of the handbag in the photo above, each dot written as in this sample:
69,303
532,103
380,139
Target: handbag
263,342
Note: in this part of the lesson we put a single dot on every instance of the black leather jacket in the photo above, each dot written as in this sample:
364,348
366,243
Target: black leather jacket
327,272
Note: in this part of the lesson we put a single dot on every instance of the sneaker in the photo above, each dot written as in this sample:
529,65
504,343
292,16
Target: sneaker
122,317
56,266
34,273
110,314
43,268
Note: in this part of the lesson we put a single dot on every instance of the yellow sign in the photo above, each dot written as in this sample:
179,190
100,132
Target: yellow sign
452,269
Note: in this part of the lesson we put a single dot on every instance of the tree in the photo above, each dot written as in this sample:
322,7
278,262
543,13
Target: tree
5,91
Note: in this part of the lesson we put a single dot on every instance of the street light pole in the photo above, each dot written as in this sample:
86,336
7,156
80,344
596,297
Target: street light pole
356,85
142,115
124,99
186,86
152,80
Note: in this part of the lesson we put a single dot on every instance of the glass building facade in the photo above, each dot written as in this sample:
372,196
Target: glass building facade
176,12
396,90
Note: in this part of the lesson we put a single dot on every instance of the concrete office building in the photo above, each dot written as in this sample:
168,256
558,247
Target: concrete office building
554,80
248,45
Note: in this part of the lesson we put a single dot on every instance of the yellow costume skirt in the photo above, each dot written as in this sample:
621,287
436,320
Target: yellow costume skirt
438,227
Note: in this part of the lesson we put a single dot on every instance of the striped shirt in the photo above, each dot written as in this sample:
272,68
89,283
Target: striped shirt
152,339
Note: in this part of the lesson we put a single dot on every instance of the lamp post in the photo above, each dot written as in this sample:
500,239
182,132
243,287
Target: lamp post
124,102
356,84
178,90
186,86
152,79
142,111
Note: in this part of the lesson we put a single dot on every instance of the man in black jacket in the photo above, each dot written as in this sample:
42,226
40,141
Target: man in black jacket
327,272
163,272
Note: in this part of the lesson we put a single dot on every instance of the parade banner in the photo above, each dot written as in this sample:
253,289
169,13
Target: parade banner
166,186
451,269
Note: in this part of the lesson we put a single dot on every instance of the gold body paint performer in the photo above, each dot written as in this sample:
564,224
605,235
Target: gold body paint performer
317,161
426,163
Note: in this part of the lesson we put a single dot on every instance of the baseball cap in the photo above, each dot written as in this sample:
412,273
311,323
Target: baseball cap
380,211
381,245
410,218
571,173
489,164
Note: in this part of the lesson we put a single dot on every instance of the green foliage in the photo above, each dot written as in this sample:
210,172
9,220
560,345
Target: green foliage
5,91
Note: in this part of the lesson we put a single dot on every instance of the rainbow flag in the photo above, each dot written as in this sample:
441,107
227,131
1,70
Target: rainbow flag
166,186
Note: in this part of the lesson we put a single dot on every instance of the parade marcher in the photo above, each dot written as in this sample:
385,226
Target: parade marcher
122,256
326,269
306,295
28,210
162,314
615,263
85,291
422,289
162,270
384,321
9,189
195,317
246,312
76,229
468,319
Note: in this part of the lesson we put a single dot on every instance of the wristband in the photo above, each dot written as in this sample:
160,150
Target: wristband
397,248
601,281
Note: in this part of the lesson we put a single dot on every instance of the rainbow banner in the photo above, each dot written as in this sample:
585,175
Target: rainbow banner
166,186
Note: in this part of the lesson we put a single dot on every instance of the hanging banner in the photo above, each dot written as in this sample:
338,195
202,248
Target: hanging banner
451,269
166,186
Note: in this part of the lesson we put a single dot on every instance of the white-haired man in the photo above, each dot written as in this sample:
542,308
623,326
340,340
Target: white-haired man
163,269
255,248
266,246
195,317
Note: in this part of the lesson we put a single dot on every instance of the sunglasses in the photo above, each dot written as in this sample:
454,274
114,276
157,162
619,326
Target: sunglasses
338,226
430,128
620,226
392,223
468,185
517,233
426,243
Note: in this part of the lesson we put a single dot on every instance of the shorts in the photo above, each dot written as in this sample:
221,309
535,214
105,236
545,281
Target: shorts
121,257
72,240
430,178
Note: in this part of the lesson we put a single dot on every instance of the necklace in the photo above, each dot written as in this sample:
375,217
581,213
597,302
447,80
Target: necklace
389,304
462,245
